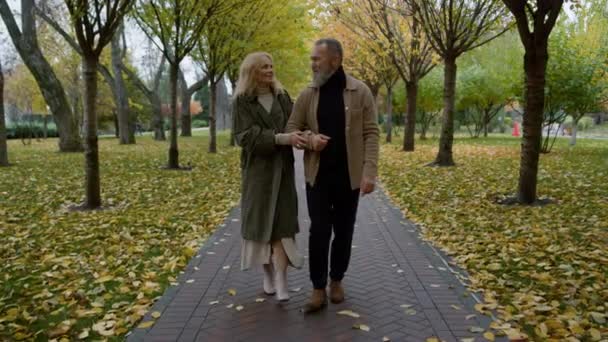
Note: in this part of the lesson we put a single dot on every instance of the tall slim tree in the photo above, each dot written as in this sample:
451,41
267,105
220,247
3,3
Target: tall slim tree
126,122
26,42
3,147
175,26
94,24
535,21
213,52
186,97
454,27
152,94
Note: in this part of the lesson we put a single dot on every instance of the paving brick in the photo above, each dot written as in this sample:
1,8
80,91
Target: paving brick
374,289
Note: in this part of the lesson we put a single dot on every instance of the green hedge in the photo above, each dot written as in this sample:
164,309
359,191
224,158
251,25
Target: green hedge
22,130
200,123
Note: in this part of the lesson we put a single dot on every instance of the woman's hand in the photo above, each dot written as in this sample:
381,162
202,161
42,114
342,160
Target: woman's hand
298,140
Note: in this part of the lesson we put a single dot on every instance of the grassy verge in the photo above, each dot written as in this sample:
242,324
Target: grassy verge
67,274
543,269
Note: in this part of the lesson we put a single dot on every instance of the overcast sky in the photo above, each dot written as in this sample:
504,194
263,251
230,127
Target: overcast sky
137,43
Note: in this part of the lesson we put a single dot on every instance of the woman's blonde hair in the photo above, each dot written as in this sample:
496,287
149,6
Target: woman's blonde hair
248,82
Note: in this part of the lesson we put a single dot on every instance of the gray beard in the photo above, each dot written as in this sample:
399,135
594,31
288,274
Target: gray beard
319,79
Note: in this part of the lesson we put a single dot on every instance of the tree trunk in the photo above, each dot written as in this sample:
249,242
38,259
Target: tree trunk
212,119
486,122
45,127
186,118
574,132
116,125
444,156
410,126
51,88
91,153
173,151
423,126
3,145
233,98
389,114
158,122
423,134
535,63
125,123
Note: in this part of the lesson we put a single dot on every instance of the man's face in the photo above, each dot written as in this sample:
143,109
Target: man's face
323,64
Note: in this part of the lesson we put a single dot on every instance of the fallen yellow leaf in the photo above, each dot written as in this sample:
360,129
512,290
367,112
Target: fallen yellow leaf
145,325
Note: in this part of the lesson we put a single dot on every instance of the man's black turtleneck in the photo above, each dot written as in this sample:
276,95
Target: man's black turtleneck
331,118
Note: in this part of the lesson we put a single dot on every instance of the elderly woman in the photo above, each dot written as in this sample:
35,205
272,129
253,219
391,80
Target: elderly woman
269,207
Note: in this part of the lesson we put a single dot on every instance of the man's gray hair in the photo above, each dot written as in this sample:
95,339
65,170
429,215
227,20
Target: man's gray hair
333,45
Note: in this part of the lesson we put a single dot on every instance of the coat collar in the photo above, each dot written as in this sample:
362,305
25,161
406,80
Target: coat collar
260,111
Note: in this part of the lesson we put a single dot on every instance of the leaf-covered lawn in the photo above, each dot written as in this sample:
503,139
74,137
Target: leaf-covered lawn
69,274
544,269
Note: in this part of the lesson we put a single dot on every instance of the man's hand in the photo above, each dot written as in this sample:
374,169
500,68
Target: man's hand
319,141
367,185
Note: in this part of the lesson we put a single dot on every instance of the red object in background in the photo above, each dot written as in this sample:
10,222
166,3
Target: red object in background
515,132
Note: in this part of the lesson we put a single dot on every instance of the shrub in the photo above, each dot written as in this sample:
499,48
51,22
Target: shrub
34,130
200,123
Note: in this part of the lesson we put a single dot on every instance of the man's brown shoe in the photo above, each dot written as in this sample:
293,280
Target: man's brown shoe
336,292
318,301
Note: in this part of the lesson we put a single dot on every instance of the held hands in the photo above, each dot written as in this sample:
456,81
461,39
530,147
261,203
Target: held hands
297,140
302,140
367,185
319,141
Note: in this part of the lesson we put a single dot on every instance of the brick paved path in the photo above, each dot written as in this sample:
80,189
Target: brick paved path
401,287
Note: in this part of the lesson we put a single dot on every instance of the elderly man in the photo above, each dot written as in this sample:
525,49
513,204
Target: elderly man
339,115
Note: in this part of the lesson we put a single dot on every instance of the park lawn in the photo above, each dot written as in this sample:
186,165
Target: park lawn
542,269
65,273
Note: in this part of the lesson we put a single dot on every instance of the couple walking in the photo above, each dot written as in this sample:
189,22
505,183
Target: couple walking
334,121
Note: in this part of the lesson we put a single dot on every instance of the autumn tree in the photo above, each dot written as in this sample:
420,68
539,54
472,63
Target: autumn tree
394,26
186,93
429,102
214,52
490,79
454,27
370,60
535,20
94,24
175,26
112,75
281,28
126,120
151,91
26,42
587,53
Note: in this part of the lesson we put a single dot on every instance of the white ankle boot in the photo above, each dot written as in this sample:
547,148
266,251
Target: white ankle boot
269,279
280,283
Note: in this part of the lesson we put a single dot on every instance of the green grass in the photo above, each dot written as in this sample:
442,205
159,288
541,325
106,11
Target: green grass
543,269
64,271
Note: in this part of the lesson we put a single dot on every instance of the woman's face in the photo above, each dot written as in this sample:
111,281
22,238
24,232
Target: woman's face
265,73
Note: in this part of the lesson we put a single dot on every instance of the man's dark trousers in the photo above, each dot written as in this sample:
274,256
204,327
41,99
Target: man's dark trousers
332,207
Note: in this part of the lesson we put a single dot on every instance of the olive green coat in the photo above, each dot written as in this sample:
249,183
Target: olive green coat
269,203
